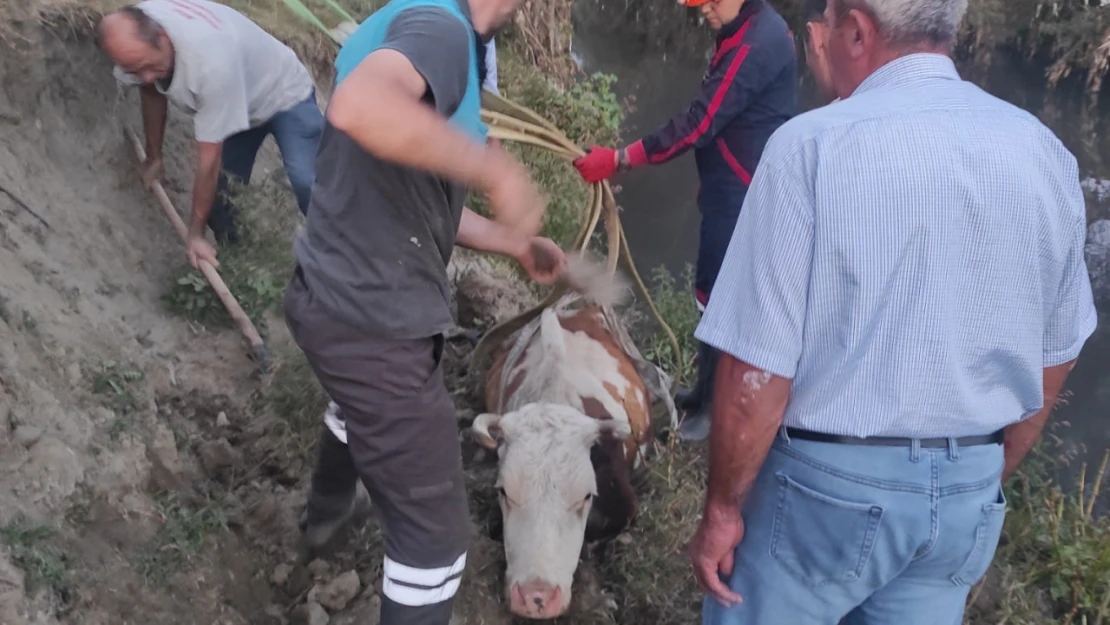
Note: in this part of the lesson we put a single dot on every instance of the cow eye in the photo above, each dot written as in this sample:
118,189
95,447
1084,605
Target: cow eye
501,493
589,496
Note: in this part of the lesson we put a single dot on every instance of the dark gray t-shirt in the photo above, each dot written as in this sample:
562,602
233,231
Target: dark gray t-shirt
378,237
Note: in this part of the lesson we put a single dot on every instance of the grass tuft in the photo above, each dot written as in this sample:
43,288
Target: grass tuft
674,298
34,549
294,396
1053,564
648,572
183,535
119,384
256,269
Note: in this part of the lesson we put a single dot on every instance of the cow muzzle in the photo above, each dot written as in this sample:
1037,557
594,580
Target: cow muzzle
537,600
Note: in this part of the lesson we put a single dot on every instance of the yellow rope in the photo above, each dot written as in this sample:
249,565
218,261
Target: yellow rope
509,121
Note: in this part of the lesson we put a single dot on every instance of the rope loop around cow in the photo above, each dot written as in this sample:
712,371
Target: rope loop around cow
509,121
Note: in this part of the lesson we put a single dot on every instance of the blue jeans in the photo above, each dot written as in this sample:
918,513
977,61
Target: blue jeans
297,133
871,535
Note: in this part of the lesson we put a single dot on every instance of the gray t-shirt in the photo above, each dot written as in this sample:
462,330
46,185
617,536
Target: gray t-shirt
375,247
229,74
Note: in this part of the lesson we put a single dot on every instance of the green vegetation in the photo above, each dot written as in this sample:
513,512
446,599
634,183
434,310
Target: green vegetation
256,269
118,383
183,535
35,549
648,572
1053,565
1067,37
589,113
675,301
295,397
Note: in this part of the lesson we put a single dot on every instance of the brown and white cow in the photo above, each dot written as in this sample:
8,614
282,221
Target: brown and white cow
570,419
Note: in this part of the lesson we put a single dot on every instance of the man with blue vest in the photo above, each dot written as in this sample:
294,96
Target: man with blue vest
370,300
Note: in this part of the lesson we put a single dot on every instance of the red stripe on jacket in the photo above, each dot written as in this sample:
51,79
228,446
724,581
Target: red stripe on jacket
718,96
734,164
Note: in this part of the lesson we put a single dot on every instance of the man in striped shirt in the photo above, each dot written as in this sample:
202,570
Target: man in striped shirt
902,300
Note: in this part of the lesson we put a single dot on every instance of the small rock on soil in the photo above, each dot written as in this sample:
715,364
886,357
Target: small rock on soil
281,575
310,614
27,435
336,594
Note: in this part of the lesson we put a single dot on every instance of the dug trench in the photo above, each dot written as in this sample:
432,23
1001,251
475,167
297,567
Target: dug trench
150,473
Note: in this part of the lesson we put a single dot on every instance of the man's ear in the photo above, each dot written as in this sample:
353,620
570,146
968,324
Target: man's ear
860,31
486,430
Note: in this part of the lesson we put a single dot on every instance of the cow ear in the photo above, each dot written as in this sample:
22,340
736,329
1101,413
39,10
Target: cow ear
486,430
619,430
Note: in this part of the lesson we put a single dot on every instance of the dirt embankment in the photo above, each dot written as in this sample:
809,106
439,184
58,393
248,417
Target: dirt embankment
150,475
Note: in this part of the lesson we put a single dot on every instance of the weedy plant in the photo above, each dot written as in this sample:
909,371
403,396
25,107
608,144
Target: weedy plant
34,548
256,269
185,531
675,301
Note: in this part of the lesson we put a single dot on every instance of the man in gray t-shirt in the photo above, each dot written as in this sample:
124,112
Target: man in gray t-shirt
238,82
370,300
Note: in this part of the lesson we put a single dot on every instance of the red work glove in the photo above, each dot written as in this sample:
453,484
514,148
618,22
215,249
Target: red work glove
598,164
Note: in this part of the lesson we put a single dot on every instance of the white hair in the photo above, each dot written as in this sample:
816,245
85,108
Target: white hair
912,21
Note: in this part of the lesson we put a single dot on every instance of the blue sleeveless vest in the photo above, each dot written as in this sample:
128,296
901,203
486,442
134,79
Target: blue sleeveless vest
370,34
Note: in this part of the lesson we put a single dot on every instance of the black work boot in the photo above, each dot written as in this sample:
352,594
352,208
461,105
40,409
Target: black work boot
334,497
695,403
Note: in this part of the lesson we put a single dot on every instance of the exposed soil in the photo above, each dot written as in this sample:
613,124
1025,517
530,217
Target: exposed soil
146,479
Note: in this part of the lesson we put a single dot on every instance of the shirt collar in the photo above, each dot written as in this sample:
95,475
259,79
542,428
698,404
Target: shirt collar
909,69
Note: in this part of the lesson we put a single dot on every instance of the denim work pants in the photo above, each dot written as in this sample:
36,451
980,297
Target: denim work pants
865,535
297,133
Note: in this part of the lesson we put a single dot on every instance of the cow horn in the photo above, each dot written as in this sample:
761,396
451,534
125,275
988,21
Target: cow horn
617,429
486,430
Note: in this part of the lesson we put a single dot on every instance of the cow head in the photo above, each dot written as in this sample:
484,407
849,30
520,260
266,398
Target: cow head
546,485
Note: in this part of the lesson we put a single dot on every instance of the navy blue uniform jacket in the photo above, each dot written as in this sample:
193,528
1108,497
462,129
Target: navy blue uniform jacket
749,90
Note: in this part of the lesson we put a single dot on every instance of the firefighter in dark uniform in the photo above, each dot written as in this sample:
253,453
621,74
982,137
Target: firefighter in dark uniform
748,91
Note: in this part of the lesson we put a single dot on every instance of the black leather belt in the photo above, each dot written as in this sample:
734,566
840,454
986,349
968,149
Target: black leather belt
995,438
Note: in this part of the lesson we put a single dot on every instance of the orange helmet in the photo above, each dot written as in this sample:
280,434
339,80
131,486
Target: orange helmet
692,3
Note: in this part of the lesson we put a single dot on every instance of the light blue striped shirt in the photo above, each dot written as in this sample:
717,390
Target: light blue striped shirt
912,256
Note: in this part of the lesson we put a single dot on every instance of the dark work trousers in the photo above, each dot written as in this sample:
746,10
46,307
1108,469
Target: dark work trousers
700,397
398,423
714,235
297,133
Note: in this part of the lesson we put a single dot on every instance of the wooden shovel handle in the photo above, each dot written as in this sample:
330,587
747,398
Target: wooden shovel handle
258,348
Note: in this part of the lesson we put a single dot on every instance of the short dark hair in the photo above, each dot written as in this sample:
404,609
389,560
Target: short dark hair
148,29
815,10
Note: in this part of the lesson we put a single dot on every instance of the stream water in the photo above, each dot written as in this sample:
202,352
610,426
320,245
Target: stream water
659,60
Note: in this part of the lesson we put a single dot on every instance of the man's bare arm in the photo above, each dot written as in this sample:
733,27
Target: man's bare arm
379,106
484,235
748,404
1022,436
204,186
154,107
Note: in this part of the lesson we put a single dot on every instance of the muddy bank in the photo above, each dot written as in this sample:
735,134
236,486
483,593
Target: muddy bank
150,474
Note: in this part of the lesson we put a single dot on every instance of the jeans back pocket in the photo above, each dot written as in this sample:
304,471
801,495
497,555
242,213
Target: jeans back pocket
821,539
992,516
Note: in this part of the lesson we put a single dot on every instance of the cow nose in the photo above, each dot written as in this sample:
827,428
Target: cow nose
536,599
